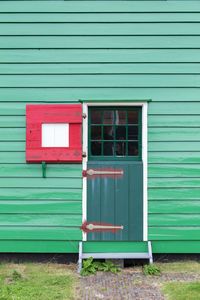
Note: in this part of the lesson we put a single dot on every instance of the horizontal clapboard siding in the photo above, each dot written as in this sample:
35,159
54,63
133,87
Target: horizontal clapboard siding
175,220
34,171
99,68
100,81
100,42
99,6
71,29
109,50
119,17
20,219
100,56
46,95
39,206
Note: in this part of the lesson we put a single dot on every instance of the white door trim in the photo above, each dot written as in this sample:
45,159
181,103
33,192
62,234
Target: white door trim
144,106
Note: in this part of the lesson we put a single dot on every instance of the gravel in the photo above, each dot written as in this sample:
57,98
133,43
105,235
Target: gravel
128,284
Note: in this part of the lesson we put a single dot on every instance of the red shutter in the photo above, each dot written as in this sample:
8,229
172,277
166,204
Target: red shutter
36,115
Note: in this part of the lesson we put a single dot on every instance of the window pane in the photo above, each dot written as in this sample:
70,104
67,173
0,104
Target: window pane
108,132
133,132
96,132
120,132
120,148
96,117
108,117
133,148
132,117
115,132
96,148
120,117
108,148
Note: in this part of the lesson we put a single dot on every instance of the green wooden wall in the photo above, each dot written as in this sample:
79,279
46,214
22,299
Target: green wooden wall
62,51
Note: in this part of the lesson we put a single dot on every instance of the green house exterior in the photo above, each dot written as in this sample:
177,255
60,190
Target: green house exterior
109,54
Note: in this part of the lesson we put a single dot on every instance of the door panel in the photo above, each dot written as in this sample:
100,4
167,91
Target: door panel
117,201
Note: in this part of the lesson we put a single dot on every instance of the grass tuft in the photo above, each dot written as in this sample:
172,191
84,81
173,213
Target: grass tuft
182,290
16,275
180,266
36,281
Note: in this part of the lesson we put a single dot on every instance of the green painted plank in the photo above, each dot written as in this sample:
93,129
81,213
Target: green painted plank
117,80
174,220
34,170
69,95
174,157
124,189
40,194
66,183
14,146
135,205
21,246
40,207
99,68
101,203
173,182
94,42
175,193
40,220
99,17
173,233
12,121
114,247
176,246
70,29
173,170
174,146
175,108
40,233
174,207
12,134
14,109
19,108
99,55
174,134
72,246
93,204
109,205
174,121
99,6
12,157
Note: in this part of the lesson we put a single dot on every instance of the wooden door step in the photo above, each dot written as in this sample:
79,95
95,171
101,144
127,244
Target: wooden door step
127,255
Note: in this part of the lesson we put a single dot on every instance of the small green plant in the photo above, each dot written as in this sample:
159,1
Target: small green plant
88,267
124,287
16,275
151,270
91,267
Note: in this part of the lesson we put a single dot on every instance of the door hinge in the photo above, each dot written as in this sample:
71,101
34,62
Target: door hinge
103,172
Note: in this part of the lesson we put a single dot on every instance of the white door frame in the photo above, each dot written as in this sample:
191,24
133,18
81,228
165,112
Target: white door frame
144,106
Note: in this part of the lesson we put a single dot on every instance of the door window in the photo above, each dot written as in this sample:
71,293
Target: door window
115,133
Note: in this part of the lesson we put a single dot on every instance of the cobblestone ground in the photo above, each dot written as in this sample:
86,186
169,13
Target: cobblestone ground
129,284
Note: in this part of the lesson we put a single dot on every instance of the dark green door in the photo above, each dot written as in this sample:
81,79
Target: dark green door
115,142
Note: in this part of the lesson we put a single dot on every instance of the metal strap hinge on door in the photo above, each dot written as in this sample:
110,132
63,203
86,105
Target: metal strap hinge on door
105,172
100,227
